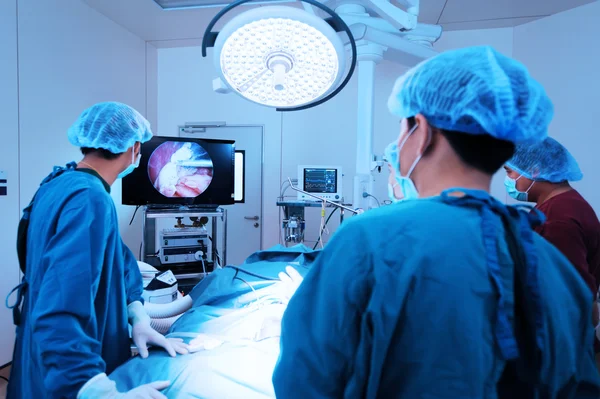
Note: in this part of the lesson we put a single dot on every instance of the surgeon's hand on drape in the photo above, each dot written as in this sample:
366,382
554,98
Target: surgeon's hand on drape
103,387
290,281
143,334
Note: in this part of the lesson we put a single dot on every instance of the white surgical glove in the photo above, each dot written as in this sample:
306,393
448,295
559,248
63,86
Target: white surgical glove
103,387
291,280
143,333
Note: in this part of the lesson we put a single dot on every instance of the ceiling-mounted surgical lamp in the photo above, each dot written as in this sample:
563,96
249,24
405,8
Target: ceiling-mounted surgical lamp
281,57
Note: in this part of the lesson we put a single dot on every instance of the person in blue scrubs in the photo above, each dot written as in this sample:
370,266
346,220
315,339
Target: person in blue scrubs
448,293
82,286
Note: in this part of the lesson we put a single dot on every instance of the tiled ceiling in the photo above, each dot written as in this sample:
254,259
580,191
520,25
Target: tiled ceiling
481,14
149,21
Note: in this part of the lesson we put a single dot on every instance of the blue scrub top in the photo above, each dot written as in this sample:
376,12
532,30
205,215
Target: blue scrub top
81,277
417,300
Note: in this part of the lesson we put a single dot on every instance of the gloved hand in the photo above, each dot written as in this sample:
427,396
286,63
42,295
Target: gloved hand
143,334
291,280
103,387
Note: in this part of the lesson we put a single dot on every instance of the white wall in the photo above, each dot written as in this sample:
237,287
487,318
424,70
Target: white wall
563,53
9,163
500,39
69,57
323,135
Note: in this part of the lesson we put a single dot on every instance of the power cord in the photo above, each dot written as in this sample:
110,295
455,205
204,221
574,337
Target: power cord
220,264
366,195
134,213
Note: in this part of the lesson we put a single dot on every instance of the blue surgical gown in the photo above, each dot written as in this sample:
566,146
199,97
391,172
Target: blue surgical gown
402,303
81,277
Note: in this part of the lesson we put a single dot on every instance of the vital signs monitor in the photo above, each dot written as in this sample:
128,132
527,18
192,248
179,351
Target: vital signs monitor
321,180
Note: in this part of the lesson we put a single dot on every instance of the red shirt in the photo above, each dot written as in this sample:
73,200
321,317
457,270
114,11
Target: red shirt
573,227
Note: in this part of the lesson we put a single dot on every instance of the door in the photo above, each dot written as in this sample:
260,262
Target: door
244,220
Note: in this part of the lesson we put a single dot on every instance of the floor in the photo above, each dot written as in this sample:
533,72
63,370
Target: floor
5,372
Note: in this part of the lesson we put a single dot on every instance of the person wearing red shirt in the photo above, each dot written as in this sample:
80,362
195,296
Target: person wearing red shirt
541,173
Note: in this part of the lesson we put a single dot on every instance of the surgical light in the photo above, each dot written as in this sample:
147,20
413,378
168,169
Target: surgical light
281,57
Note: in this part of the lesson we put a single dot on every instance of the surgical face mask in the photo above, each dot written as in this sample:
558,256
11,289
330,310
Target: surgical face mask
409,190
134,164
391,192
511,189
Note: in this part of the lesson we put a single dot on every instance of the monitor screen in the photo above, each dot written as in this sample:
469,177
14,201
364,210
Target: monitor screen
182,171
319,180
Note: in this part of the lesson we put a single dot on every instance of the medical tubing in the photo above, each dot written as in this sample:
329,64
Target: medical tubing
168,310
163,325
203,266
239,269
374,197
327,221
253,290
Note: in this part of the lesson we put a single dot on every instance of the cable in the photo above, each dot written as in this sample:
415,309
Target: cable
366,195
283,189
220,263
323,225
134,213
203,267
327,221
4,378
375,198
239,269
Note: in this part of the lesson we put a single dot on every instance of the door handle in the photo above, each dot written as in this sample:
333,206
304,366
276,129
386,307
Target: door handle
251,217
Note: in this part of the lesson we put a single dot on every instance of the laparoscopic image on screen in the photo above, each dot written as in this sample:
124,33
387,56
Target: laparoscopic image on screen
180,169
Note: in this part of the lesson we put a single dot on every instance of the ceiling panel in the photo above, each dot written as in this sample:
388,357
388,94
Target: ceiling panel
488,24
480,10
147,20
431,10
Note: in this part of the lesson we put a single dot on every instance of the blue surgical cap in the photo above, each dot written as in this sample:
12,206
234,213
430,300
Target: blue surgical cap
112,126
546,161
391,154
475,90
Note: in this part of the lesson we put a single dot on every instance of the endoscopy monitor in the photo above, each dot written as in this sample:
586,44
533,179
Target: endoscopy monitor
320,180
183,171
